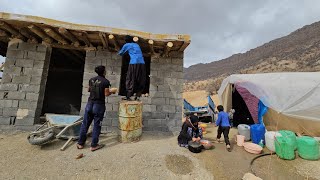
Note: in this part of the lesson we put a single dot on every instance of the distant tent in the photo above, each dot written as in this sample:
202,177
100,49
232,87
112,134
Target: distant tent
287,100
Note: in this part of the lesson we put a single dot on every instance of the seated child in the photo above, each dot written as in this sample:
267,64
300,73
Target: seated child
189,131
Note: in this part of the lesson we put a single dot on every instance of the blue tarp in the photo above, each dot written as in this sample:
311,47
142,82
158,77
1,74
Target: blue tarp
262,110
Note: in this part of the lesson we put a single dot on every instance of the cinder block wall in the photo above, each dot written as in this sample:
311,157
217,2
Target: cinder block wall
162,110
23,85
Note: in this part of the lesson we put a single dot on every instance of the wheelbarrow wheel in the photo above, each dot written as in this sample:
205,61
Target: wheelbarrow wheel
40,139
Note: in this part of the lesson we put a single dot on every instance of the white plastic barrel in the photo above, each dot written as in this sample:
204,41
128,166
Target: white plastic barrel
244,130
270,138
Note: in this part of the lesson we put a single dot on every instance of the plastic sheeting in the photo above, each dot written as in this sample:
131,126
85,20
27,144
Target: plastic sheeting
293,94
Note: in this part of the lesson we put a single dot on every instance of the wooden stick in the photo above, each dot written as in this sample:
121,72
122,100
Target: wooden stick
150,42
55,36
40,33
104,40
69,36
24,31
65,144
113,40
167,48
15,33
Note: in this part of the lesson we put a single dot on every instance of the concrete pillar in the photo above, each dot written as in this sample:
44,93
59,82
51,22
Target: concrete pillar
23,85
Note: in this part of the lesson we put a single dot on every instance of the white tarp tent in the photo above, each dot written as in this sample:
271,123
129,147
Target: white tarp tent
290,96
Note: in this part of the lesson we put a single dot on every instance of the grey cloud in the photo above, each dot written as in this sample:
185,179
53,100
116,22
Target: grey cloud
218,28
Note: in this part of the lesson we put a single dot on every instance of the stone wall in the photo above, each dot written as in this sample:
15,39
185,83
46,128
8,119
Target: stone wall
162,110
23,85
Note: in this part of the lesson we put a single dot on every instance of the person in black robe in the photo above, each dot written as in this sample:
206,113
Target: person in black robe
189,131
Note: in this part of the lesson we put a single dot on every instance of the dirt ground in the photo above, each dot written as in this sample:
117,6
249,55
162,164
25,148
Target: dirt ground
155,156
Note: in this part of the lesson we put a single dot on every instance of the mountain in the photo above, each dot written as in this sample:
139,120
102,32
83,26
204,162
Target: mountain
298,51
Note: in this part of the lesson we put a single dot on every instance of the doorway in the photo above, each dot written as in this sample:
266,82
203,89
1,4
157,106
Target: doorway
63,91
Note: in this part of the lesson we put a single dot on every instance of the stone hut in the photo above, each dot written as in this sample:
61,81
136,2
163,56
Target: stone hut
48,64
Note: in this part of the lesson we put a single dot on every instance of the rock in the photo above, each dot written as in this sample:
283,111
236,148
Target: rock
249,176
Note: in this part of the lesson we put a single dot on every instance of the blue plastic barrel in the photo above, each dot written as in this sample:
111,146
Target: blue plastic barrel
257,133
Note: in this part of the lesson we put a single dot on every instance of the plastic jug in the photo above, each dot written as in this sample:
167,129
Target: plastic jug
240,140
257,133
290,135
308,148
270,138
244,130
285,147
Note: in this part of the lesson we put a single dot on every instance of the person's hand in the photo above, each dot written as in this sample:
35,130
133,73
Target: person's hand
215,125
194,139
198,139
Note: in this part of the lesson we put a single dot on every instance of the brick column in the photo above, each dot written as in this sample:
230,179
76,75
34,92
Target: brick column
163,110
23,85
113,63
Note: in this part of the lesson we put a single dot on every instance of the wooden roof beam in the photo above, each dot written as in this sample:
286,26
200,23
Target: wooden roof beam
69,36
150,42
104,40
184,46
24,32
15,33
167,49
135,39
40,33
55,36
113,40
85,39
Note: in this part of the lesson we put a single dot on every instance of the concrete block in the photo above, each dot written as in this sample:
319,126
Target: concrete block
107,122
176,102
26,71
170,94
24,63
115,107
178,75
176,54
177,61
146,128
25,122
38,64
6,103
158,115
1,111
21,79
36,80
16,95
42,48
9,87
157,80
158,101
27,46
112,114
94,60
176,88
9,62
6,78
87,76
7,112
168,108
5,121
170,81
108,108
155,94
146,115
13,70
28,104
154,73
113,99
178,108
159,129
89,68
90,53
105,54
15,103
15,53
36,55
164,87
32,96
149,108
29,88
154,123
115,122
115,62
38,72
167,101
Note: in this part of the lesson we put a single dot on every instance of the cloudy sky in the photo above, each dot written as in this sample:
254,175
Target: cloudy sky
218,28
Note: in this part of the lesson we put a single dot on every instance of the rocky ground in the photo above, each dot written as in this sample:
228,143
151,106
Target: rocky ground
155,156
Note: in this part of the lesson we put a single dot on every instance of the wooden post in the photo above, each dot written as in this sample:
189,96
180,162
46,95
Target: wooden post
55,36
40,33
85,39
184,46
150,42
104,40
113,40
69,36
167,48
24,31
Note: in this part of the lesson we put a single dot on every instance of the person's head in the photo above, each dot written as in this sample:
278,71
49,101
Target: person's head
220,108
194,120
100,70
128,39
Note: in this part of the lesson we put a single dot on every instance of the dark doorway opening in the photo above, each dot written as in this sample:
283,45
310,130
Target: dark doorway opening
124,69
242,114
63,91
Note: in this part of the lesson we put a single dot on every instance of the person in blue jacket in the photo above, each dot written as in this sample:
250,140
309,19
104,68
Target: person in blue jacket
223,124
136,74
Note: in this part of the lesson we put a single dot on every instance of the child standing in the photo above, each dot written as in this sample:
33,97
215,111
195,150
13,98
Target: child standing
224,126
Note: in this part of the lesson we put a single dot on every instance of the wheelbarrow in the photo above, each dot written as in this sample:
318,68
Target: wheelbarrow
57,126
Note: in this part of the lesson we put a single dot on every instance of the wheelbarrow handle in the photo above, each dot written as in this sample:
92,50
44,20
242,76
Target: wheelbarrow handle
65,129
65,144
